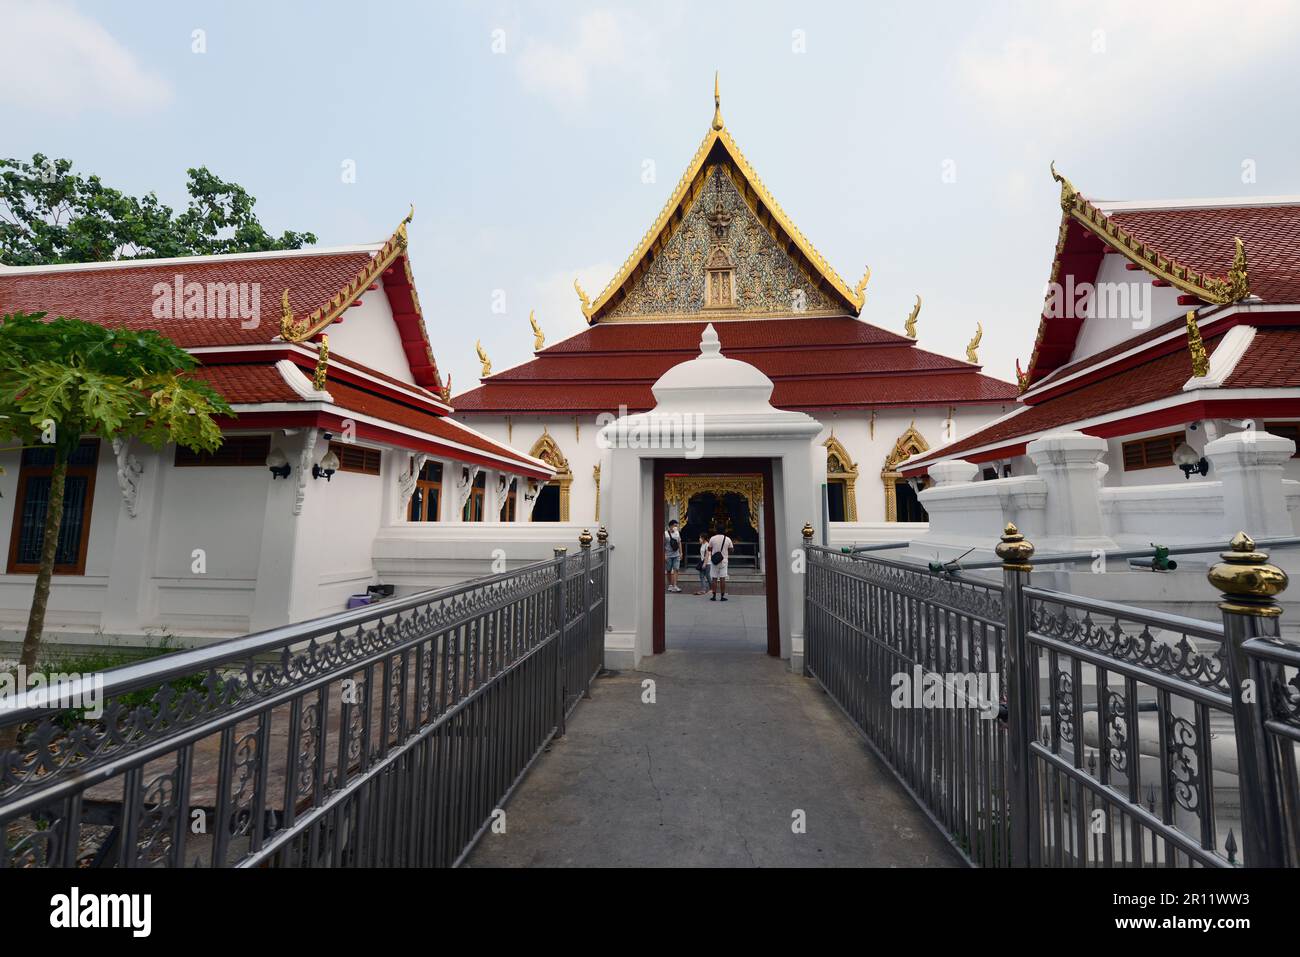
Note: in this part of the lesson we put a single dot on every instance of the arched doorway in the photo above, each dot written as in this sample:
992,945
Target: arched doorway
552,503
897,491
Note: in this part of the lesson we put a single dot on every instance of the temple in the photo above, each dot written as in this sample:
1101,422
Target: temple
723,251
324,357
1161,402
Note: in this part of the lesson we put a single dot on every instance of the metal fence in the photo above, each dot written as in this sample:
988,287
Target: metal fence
1039,728
384,736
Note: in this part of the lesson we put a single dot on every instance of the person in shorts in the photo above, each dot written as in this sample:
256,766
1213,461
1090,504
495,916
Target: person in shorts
719,545
703,566
672,554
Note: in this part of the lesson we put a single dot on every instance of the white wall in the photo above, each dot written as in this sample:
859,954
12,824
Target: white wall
1100,333
868,445
368,335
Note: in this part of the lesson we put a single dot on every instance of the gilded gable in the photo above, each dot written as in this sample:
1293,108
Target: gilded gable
721,230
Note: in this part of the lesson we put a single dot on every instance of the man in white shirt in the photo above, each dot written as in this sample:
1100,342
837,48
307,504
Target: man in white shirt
719,544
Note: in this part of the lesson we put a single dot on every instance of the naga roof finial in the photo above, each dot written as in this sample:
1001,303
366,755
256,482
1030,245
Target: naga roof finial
971,355
860,290
483,358
538,338
910,325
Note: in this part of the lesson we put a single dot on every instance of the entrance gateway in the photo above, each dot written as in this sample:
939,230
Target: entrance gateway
713,416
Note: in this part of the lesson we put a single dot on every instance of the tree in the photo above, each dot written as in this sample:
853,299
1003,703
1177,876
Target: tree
65,379
49,215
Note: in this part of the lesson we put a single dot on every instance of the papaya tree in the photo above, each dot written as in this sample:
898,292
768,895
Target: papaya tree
63,380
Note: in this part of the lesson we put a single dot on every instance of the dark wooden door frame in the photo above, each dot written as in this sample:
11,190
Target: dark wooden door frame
771,581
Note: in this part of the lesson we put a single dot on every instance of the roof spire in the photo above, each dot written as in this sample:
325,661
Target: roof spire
717,103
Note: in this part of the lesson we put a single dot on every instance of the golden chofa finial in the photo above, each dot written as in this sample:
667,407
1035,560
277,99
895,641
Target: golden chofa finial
1196,346
583,298
538,338
445,391
1068,193
1022,378
483,358
860,290
717,103
971,355
409,216
910,325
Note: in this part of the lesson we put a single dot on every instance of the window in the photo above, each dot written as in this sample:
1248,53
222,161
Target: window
720,281
547,508
33,502
235,450
835,489
473,511
354,458
1151,453
426,501
1286,430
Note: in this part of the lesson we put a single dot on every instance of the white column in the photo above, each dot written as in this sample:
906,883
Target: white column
1067,464
133,561
1249,465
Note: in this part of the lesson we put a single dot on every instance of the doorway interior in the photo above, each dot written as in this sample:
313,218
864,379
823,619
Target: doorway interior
718,495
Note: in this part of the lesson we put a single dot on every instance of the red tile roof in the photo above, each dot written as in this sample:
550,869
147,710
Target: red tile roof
1204,239
251,384
123,294
815,363
1272,361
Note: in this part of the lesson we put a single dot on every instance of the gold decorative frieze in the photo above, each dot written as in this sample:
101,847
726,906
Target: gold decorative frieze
680,489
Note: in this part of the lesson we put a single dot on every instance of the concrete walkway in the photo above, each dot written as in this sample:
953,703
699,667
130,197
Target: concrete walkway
713,772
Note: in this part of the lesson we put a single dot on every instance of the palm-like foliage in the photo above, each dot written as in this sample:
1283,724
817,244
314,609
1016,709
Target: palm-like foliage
65,379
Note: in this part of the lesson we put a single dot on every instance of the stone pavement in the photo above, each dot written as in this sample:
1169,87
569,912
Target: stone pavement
713,772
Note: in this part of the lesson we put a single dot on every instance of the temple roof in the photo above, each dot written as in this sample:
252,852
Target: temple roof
815,362
1215,251
718,147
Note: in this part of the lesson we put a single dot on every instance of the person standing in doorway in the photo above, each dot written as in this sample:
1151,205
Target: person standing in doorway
672,554
703,566
720,547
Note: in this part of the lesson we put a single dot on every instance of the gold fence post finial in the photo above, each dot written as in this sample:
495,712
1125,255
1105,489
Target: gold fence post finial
1014,550
585,539
602,534
808,533
1247,580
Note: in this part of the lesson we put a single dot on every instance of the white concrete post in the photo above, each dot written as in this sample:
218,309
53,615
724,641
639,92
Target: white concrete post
1067,464
953,472
1249,465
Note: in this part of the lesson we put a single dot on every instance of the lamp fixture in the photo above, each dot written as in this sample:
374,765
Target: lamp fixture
1187,460
328,465
278,463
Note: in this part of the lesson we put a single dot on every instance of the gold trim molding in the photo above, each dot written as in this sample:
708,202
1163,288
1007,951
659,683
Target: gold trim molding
841,467
680,489
548,450
910,443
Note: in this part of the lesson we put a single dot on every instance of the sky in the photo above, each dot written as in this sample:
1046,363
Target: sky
538,141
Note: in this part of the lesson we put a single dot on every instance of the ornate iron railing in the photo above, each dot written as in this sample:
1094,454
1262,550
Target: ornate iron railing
385,736
1125,737
879,633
